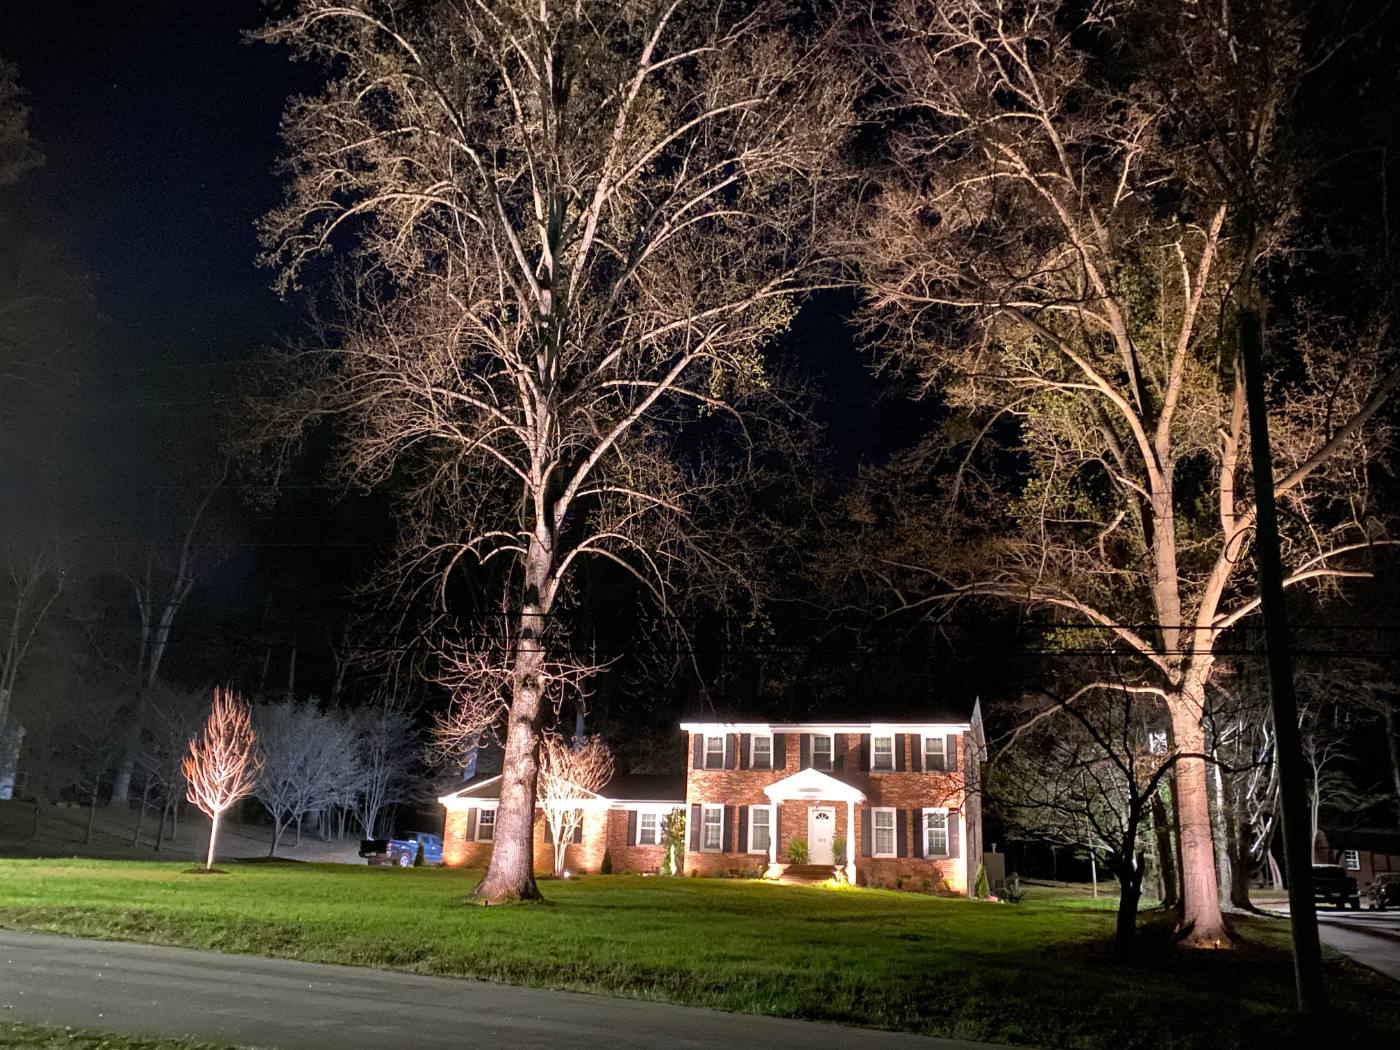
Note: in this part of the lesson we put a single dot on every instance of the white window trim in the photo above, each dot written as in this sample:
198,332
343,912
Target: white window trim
755,739
656,827
894,742
705,809
1349,855
749,846
830,739
924,738
705,750
947,830
481,810
875,832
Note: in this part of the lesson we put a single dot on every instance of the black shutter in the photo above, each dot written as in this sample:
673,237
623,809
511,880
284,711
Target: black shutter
916,817
901,744
916,749
775,825
806,749
901,833
743,830
745,745
728,750
578,832
951,749
695,819
697,751
865,834
471,825
631,827
865,752
952,834
838,751
727,831
779,751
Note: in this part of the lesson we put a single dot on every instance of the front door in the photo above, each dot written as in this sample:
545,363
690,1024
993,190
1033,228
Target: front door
821,829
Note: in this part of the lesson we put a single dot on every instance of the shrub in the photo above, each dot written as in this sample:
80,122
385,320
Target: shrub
607,866
980,887
838,849
1013,894
418,857
797,851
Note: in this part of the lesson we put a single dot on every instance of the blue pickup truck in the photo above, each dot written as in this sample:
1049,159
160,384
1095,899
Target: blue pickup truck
404,851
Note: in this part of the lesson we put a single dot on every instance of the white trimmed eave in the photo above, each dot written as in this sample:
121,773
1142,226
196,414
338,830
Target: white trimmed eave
930,728
813,784
459,798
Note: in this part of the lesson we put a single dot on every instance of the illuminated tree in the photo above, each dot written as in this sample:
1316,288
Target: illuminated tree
222,766
1047,252
570,231
570,771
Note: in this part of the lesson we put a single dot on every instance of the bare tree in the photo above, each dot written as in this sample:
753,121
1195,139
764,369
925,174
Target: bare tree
387,749
173,719
161,589
574,228
1044,254
33,582
222,765
570,772
309,761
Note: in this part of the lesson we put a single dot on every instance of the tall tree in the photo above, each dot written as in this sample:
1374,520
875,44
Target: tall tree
573,228
222,765
1043,251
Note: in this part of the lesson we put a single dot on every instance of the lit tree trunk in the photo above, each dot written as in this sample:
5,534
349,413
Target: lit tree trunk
1201,918
213,838
1166,854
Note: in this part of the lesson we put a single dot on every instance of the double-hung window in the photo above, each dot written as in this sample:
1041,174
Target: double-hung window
714,752
761,752
935,833
485,825
648,829
760,828
712,829
1351,860
934,756
882,752
882,841
821,751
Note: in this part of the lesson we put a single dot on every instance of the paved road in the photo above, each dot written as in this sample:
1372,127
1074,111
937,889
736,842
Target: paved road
1372,938
246,1001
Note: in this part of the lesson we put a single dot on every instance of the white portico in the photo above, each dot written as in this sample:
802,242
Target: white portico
812,786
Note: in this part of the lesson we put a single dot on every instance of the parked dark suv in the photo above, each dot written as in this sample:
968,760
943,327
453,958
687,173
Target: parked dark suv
1332,885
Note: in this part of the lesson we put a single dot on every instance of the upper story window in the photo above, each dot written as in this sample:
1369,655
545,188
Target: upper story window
935,833
935,756
882,752
883,841
486,825
761,752
648,830
712,829
714,752
821,751
1351,860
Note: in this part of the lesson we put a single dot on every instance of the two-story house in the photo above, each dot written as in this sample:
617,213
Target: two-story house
891,802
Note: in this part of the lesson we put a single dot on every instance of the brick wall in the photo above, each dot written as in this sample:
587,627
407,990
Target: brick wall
584,856
630,859
903,790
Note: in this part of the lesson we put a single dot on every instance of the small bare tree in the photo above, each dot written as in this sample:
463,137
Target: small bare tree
222,765
570,772
309,761
574,227
32,582
388,751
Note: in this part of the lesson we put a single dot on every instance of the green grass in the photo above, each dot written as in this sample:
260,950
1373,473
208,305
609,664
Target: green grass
46,1037
1035,973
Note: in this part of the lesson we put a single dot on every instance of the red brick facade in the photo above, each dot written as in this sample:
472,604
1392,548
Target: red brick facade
602,830
906,788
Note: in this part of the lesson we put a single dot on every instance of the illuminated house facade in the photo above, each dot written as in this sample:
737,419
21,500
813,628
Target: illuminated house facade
889,803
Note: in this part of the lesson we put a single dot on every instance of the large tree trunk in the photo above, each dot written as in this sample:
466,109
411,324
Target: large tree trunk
1125,926
1237,841
1202,924
511,874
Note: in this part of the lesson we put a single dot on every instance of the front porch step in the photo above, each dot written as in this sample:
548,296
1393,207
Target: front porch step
808,873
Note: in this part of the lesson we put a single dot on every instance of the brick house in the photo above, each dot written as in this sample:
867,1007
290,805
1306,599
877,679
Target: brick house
624,819
1363,852
891,802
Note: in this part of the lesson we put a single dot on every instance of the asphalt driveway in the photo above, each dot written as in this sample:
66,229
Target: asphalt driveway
242,1000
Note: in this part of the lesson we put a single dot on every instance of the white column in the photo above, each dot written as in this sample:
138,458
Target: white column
851,843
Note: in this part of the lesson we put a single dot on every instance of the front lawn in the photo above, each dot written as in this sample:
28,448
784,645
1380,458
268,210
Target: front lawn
1034,973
